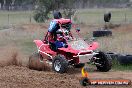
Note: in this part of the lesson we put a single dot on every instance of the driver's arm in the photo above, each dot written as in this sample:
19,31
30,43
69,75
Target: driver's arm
51,30
52,27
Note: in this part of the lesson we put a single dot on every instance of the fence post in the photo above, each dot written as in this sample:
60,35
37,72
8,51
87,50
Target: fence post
30,18
8,19
125,18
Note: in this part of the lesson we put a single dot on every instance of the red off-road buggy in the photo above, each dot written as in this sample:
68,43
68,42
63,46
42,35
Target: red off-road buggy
77,52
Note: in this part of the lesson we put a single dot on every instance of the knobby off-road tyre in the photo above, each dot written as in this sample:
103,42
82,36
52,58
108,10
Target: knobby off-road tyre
35,63
107,17
125,59
105,62
102,33
79,65
60,64
113,56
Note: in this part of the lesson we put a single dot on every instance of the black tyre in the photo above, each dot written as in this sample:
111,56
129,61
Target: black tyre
104,61
35,63
59,64
107,17
102,33
79,65
113,56
85,82
126,59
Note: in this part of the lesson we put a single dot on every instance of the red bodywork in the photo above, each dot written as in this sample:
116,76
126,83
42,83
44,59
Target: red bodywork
69,52
62,21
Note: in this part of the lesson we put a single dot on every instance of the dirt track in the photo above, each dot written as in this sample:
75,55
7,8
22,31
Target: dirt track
22,77
13,74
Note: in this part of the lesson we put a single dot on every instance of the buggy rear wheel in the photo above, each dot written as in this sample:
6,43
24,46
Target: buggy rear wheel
35,63
104,61
59,64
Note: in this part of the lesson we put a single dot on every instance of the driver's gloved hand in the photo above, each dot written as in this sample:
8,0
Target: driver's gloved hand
65,45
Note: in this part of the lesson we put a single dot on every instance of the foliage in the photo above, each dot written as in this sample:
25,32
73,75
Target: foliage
41,14
44,7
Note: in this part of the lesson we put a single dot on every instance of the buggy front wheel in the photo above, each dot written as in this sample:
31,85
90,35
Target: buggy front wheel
59,64
104,62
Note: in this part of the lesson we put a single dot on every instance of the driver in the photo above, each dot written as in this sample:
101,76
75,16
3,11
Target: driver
54,26
52,33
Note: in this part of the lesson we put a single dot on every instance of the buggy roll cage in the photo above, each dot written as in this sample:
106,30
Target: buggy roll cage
61,22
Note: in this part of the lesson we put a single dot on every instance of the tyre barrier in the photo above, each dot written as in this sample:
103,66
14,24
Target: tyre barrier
113,56
107,17
121,59
102,33
125,59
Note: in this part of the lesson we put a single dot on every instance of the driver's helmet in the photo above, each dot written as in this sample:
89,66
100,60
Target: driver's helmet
57,15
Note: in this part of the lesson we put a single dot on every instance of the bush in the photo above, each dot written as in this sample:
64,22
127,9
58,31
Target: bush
41,14
44,7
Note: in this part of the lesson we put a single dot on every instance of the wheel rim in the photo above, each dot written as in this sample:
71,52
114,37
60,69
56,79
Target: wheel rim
57,65
101,61
40,59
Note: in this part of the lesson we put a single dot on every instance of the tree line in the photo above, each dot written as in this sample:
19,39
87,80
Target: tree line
68,7
24,4
43,8
16,4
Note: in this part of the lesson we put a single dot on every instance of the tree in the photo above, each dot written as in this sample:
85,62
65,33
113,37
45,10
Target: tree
44,7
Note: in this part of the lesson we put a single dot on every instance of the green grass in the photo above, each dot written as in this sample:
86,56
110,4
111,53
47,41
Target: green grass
95,16
28,47
15,17
87,16
122,67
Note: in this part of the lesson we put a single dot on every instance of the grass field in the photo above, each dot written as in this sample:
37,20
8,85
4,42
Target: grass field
95,16
16,17
87,16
